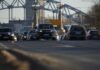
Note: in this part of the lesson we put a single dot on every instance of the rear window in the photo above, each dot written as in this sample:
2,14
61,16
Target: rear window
66,27
5,30
46,26
77,28
94,32
32,31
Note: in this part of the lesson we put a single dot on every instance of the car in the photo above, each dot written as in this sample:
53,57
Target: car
74,32
60,31
19,36
93,34
32,35
7,34
47,31
24,36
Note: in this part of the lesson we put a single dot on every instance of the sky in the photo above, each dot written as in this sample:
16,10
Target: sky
79,4
83,5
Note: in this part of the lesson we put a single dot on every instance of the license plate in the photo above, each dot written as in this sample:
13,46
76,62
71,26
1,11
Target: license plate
34,37
24,36
46,34
6,37
78,32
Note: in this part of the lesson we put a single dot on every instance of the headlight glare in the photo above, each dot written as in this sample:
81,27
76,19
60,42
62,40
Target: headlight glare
9,33
12,34
40,31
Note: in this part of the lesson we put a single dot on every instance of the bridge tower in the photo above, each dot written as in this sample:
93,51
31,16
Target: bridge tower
29,10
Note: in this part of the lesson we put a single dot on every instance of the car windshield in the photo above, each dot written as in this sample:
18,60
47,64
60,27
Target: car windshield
5,30
77,28
46,26
25,33
66,27
94,32
33,31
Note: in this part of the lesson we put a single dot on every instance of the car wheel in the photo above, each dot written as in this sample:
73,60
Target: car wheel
54,38
83,38
65,37
69,38
37,38
57,38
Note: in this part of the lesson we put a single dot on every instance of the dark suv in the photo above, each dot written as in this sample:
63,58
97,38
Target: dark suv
7,34
32,35
75,32
47,31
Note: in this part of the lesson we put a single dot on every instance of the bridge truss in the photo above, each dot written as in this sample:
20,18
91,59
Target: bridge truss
58,9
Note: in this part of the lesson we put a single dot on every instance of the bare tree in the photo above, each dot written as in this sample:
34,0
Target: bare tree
95,14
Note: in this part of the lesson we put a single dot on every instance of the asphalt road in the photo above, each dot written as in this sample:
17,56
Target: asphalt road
75,55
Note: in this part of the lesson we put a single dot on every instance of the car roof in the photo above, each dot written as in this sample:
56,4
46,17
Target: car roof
93,30
5,28
72,25
45,24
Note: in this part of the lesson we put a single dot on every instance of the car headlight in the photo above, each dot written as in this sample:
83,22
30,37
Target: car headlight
12,34
24,36
40,31
9,33
30,35
51,30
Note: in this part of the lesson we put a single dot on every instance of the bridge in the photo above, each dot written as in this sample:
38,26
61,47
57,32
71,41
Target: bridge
31,7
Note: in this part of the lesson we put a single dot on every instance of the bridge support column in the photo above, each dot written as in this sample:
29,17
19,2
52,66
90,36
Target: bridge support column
9,16
35,17
24,13
56,15
53,15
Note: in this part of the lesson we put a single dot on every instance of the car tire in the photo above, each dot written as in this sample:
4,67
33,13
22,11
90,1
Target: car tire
83,38
56,38
68,38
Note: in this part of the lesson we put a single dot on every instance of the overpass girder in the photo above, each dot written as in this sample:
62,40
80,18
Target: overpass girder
50,5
